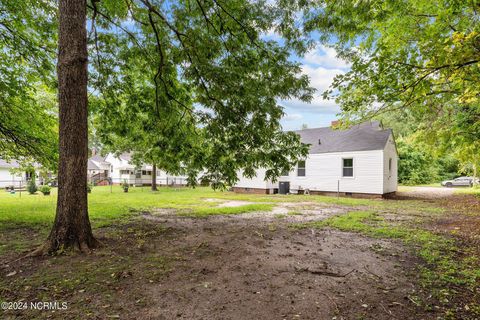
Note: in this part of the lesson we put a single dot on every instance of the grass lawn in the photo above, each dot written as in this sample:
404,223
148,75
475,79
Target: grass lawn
107,204
448,264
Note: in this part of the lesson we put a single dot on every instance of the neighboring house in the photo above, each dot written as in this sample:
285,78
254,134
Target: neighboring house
120,169
17,179
98,164
360,161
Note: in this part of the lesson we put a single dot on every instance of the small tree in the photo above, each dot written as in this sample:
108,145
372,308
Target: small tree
32,186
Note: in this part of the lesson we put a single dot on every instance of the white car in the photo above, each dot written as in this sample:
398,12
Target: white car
459,182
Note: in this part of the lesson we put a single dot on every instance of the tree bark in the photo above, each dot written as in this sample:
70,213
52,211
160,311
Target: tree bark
72,229
154,178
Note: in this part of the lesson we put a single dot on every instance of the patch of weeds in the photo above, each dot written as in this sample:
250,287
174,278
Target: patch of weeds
157,266
280,216
294,213
212,211
444,269
272,227
473,190
377,248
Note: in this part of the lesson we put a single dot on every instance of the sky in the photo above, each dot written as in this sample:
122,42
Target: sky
321,65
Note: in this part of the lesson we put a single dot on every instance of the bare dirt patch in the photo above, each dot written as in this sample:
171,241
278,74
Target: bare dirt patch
241,272
234,203
165,266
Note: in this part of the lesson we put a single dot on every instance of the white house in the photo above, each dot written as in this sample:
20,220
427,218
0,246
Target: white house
360,161
11,178
120,169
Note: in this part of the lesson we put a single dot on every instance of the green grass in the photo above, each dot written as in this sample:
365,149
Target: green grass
474,190
25,210
38,210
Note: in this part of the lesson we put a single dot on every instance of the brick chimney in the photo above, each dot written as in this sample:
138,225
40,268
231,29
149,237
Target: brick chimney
336,123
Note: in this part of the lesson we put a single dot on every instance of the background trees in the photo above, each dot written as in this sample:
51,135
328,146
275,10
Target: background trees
421,56
189,85
193,85
27,100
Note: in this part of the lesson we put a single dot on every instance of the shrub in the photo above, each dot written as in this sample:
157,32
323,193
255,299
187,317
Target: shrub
45,189
32,187
125,186
89,187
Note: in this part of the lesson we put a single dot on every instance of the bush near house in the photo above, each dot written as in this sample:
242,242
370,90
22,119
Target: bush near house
45,189
32,187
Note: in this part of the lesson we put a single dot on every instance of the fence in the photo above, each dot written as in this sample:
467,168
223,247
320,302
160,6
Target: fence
19,187
131,181
16,186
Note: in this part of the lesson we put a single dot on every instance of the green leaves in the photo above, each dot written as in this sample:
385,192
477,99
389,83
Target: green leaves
27,103
423,56
193,87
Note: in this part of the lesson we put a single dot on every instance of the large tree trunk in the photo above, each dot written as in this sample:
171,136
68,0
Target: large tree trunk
154,177
72,226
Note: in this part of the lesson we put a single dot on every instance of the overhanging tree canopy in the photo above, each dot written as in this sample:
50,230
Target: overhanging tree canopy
420,55
195,77
197,82
27,102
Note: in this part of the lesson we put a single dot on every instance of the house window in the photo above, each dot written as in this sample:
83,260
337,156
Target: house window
144,173
390,165
301,169
348,167
285,173
124,171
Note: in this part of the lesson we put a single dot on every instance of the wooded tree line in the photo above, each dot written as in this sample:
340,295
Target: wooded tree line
415,62
192,85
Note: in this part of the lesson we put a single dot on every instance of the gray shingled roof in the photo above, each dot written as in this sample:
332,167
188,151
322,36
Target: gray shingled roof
98,158
363,137
127,156
92,166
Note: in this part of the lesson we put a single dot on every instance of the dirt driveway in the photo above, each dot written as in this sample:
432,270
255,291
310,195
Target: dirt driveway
424,193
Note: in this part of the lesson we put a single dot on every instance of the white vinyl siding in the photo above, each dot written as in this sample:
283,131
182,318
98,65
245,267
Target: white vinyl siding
325,173
257,182
390,165
8,179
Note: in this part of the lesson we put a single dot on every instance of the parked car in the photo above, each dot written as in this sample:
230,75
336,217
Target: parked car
459,182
